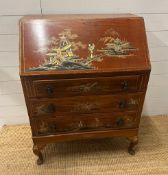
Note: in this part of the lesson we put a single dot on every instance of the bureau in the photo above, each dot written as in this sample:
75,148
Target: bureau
83,77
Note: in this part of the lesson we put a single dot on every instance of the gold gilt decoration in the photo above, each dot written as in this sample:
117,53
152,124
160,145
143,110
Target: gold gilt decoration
61,51
85,88
86,107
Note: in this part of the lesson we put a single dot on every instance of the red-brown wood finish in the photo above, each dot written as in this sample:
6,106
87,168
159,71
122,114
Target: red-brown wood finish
83,76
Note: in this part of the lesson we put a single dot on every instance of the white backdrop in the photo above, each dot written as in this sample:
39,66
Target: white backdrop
155,12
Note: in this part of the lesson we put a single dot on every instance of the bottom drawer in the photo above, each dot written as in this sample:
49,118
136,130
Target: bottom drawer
85,123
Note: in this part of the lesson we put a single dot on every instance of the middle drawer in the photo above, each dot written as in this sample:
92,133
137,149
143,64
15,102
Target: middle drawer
85,104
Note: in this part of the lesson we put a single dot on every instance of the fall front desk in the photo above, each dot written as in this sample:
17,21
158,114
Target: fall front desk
83,77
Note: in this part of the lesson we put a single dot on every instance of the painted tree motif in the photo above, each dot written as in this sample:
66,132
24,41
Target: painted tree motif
61,51
114,46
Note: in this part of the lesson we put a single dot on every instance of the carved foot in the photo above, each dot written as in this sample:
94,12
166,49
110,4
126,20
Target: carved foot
131,150
133,142
40,161
37,151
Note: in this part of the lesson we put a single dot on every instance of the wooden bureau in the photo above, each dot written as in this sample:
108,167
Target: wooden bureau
83,76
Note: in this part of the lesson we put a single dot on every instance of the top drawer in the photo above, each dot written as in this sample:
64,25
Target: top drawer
86,86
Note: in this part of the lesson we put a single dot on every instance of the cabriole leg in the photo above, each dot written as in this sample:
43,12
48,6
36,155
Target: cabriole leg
37,151
133,142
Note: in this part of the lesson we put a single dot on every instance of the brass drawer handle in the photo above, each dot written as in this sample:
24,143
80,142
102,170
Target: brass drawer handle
49,90
123,104
120,122
124,85
52,128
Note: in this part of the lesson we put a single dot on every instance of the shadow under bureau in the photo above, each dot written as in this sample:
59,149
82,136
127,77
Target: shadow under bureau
83,76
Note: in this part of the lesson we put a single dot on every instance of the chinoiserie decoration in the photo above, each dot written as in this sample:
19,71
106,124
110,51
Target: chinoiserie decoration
61,51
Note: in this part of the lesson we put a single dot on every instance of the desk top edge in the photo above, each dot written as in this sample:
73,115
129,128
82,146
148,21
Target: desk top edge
77,16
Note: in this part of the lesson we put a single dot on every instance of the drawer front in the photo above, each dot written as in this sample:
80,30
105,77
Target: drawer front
86,123
80,87
89,104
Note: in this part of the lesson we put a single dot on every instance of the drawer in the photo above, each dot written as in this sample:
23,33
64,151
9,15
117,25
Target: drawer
85,86
88,104
84,123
